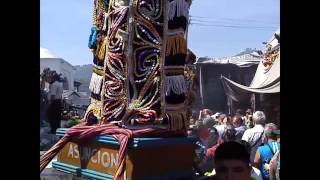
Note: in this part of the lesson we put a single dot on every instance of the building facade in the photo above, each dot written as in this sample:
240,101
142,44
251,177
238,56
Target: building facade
48,60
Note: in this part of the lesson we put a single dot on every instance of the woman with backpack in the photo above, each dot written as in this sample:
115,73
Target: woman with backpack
275,167
265,153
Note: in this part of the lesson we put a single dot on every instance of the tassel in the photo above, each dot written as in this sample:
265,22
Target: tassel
176,45
177,120
93,38
178,8
176,84
102,49
98,70
105,22
95,83
173,71
94,108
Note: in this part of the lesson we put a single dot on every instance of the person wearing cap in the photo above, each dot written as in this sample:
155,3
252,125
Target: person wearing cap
265,153
247,118
216,116
219,118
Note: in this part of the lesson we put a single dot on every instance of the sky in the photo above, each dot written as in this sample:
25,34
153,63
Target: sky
217,27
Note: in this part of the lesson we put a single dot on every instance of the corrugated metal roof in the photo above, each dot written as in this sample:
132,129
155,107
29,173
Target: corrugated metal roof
242,60
68,93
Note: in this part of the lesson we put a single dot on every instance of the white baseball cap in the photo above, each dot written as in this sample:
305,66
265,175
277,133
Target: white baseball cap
215,116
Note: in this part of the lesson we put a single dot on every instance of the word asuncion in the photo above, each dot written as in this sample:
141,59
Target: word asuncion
106,159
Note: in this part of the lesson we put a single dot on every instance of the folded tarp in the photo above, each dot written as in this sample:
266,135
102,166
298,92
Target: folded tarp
263,82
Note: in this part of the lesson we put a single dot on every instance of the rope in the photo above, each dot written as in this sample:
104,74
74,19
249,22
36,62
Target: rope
84,133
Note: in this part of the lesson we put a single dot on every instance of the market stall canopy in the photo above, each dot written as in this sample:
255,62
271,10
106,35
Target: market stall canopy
241,66
266,79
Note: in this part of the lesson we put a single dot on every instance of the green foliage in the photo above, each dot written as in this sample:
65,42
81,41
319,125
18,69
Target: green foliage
73,121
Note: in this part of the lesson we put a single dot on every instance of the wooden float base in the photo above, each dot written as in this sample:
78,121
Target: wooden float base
147,158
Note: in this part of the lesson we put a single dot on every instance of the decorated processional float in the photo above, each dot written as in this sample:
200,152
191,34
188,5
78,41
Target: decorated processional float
135,126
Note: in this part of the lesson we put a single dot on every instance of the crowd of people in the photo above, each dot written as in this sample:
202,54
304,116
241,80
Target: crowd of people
238,146
224,137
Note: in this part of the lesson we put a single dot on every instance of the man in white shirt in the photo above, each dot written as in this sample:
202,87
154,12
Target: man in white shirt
56,90
254,136
55,97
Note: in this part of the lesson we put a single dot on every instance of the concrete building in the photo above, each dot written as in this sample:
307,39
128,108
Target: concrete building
49,60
